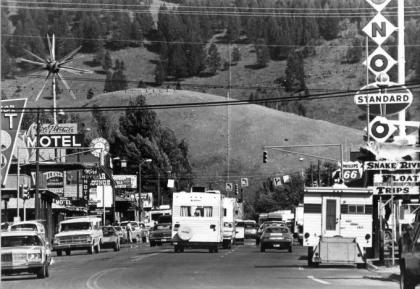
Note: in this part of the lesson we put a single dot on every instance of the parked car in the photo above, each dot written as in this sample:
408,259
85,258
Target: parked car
111,238
409,246
24,251
29,226
161,234
250,229
276,237
265,225
82,233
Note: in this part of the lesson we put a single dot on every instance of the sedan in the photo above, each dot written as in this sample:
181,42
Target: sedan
161,234
111,239
24,252
276,237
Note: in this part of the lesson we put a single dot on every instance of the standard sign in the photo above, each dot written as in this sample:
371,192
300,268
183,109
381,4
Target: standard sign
392,166
381,101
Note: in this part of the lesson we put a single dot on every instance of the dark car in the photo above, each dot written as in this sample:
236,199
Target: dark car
161,234
111,238
265,225
409,246
276,237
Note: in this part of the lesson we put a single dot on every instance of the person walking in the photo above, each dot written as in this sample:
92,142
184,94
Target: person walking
129,233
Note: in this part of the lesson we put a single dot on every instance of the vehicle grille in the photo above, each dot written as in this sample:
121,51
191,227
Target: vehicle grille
14,258
73,240
6,257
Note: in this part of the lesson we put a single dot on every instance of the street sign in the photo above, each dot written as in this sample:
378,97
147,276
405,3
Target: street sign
391,166
352,171
244,182
11,118
277,182
383,100
379,29
378,4
379,61
229,187
381,129
396,190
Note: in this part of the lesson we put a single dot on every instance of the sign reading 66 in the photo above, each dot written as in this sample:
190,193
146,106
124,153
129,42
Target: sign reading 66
352,171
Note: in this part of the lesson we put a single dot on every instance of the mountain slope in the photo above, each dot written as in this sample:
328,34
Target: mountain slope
250,128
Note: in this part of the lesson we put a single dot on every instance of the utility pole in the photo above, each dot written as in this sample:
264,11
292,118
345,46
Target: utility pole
37,203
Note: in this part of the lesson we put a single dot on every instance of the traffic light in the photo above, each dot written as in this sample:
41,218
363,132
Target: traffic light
23,192
236,189
265,157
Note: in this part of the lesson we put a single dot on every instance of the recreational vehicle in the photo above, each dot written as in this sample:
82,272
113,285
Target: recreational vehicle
228,222
337,224
197,220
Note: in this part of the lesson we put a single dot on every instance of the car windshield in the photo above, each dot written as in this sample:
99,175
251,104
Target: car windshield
240,224
18,241
249,226
75,226
108,231
24,227
277,230
118,228
163,227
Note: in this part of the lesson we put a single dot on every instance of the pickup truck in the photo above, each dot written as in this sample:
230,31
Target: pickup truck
78,234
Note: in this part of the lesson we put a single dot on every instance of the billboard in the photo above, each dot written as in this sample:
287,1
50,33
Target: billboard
147,200
125,181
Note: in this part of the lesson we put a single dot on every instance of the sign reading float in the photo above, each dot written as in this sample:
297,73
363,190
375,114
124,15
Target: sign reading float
383,100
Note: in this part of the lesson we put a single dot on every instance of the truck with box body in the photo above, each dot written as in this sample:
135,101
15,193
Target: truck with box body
228,222
337,224
197,220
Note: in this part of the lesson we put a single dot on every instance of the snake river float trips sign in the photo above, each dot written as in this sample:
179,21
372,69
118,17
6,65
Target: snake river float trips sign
391,166
383,100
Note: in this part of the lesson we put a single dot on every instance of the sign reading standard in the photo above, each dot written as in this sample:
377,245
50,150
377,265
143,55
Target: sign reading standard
392,166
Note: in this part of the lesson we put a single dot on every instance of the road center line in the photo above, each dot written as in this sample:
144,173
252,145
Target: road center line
319,280
92,282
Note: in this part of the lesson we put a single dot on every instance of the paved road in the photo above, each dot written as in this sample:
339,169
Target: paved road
242,267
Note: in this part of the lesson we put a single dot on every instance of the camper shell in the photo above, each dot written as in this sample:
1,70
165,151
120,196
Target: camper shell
337,224
197,220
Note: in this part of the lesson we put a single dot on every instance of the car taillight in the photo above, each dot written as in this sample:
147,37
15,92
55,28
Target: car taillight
176,227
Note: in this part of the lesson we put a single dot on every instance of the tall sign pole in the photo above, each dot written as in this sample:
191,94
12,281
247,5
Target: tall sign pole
401,62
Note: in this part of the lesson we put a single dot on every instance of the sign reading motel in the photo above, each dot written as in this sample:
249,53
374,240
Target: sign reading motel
392,166
57,141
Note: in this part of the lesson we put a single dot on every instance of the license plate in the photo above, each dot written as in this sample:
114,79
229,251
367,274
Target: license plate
276,245
163,240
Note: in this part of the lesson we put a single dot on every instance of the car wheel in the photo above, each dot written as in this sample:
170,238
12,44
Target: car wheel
152,244
98,248
290,248
211,250
115,246
405,282
42,273
68,252
59,253
310,254
262,248
91,249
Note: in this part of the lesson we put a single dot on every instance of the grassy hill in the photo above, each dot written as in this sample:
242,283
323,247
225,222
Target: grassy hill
250,128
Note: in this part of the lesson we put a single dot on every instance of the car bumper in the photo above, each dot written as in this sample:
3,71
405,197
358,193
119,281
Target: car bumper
78,246
160,240
13,269
276,243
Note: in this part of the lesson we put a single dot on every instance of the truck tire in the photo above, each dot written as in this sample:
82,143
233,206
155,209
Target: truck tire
310,255
43,272
59,253
405,282
262,248
68,252
98,248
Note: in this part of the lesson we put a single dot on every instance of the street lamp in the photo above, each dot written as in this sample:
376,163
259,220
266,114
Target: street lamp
139,183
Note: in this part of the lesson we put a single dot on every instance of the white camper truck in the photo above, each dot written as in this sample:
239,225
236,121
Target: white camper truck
337,224
229,205
197,220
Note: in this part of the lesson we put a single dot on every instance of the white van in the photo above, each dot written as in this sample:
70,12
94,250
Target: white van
197,220
228,222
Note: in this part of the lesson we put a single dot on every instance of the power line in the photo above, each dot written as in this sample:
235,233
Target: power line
183,42
208,12
199,104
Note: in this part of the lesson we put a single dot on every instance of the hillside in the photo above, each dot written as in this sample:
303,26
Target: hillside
251,128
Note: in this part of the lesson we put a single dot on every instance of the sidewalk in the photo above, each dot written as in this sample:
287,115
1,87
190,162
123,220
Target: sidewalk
391,272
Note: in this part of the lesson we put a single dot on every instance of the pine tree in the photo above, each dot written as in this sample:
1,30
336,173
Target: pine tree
107,62
262,54
213,59
160,73
295,74
236,55
90,32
